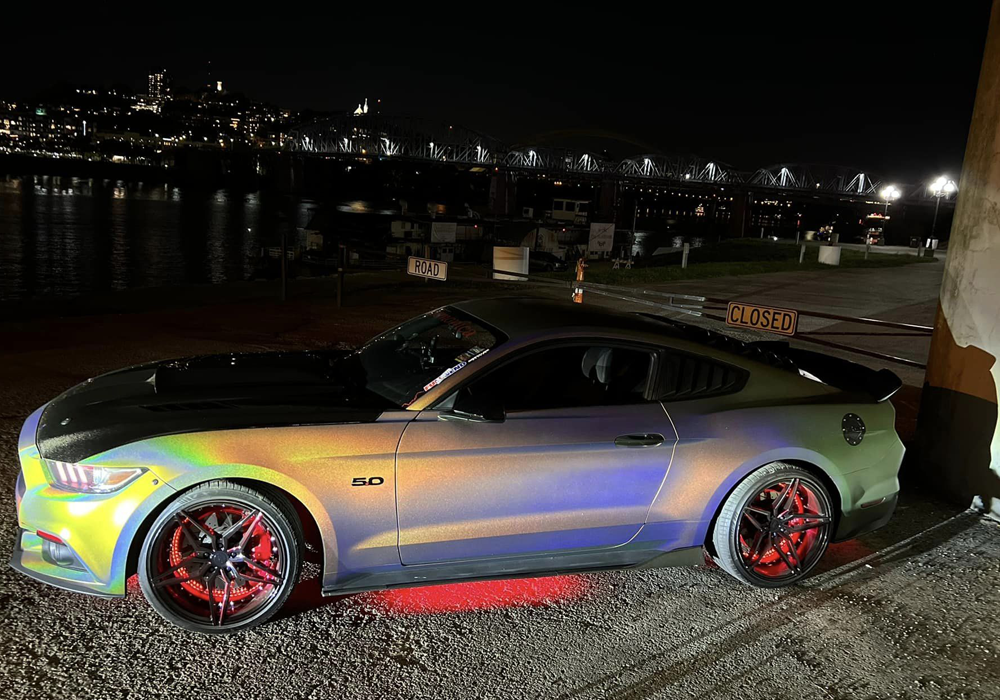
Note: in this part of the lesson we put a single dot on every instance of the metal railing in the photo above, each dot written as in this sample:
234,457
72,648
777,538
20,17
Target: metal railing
702,306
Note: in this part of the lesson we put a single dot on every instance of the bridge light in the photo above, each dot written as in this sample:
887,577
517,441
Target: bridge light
890,193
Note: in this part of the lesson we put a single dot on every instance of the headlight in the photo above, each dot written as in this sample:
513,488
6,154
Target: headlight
90,478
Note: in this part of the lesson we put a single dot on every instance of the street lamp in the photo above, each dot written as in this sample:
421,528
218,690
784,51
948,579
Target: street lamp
942,187
890,194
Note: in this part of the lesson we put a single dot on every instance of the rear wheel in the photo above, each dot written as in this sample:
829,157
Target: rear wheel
221,558
774,527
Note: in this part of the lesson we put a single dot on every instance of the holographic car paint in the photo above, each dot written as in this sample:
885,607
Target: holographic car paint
539,481
532,486
98,528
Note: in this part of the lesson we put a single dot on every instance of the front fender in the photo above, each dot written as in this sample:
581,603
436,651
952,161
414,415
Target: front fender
317,465
187,479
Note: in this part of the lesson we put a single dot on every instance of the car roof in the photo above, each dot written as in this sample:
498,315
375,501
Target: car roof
522,316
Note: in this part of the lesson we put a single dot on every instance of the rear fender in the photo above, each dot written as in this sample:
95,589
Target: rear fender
785,454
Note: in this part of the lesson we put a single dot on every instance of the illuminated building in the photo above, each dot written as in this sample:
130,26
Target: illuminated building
159,86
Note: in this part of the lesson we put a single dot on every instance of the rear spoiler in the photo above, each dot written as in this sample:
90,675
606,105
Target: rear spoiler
833,371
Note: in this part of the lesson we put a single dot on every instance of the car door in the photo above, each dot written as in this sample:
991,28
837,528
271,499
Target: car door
574,463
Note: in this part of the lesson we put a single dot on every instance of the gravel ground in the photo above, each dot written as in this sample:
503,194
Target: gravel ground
907,612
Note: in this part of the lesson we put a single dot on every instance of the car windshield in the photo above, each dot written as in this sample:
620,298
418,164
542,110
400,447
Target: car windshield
407,361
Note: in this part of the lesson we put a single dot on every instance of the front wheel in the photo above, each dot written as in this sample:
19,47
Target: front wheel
221,558
774,527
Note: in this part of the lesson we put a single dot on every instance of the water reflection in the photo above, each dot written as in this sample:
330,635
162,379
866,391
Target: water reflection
67,236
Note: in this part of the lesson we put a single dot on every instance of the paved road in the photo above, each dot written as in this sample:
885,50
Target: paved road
908,612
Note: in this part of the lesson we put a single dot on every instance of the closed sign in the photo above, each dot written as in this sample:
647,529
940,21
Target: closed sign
762,318
432,269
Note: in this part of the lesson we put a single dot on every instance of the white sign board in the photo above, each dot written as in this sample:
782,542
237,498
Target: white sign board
432,269
314,239
443,231
602,238
511,259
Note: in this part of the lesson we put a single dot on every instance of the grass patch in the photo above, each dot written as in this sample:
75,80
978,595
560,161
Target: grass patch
737,257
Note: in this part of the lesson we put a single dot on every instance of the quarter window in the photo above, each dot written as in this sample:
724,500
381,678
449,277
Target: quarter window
689,377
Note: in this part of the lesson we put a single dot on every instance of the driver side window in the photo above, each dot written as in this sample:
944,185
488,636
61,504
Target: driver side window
568,376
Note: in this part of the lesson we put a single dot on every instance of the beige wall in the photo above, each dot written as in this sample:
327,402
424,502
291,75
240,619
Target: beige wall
960,440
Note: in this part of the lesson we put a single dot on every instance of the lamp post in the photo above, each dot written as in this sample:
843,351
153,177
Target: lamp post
889,194
942,187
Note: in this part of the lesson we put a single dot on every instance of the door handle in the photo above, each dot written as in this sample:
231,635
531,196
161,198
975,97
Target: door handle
639,440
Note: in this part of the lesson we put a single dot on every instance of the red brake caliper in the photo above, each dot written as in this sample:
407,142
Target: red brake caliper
260,553
771,559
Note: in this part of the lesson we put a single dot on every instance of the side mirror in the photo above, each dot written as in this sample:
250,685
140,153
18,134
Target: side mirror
475,409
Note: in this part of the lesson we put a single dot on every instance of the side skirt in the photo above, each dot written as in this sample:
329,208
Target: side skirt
409,577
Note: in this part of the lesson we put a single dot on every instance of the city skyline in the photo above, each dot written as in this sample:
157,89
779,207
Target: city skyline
738,96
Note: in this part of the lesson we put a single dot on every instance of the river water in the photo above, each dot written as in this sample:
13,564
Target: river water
68,236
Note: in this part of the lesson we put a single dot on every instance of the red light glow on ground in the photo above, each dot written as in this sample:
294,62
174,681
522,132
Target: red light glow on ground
842,553
480,595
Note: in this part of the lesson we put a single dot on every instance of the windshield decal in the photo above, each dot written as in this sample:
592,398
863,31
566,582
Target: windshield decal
463,359
478,355
444,375
470,354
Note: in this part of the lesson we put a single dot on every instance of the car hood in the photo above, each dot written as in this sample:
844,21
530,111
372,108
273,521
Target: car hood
218,392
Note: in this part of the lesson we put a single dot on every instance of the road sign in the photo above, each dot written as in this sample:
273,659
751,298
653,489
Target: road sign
510,259
431,269
602,237
762,318
443,231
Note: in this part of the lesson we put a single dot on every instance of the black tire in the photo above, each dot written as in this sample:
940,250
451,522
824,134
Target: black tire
184,533
793,536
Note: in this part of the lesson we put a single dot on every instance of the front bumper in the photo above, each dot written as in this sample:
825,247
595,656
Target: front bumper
29,560
97,530
28,557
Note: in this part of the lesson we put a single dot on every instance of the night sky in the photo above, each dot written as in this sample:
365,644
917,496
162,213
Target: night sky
887,87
